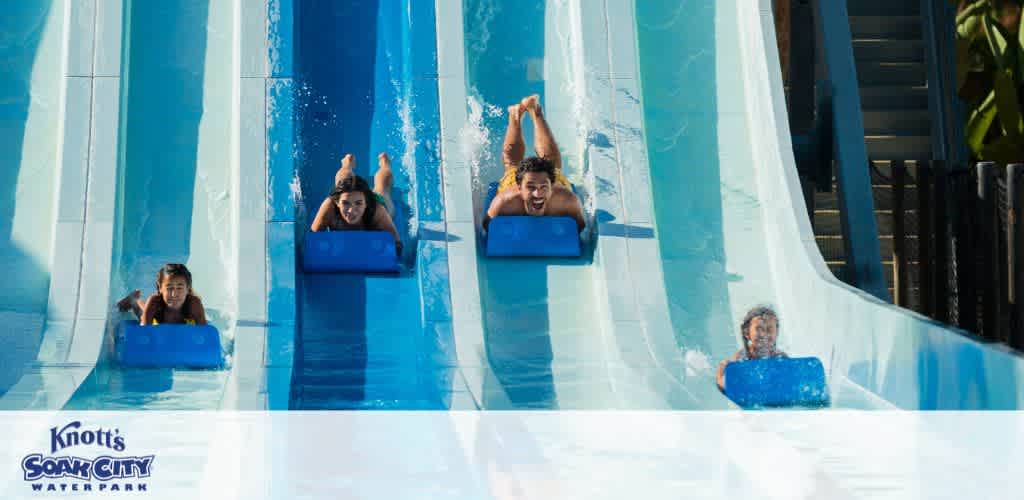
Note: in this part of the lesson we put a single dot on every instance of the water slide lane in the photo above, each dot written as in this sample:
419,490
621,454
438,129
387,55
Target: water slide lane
177,189
734,232
372,341
550,333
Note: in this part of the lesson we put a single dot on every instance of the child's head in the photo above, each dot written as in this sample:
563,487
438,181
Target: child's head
760,331
174,284
354,199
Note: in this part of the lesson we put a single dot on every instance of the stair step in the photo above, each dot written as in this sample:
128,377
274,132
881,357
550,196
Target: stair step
832,249
897,122
885,26
883,8
827,222
882,195
888,50
906,147
839,266
871,73
891,97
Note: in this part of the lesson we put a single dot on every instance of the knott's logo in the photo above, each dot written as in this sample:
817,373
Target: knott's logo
74,473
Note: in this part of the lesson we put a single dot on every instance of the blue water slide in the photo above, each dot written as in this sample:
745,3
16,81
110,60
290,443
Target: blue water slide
365,82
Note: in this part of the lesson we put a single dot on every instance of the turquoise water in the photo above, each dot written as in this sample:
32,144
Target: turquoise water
175,189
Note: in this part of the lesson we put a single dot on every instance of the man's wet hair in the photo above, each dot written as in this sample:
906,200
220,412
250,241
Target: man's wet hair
535,164
761,311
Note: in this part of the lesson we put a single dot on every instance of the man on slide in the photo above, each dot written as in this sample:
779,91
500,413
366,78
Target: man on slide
534,185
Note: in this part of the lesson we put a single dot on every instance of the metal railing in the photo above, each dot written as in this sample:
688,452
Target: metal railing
971,246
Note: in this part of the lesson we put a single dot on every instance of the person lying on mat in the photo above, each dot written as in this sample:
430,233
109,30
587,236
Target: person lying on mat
534,185
173,302
760,331
353,206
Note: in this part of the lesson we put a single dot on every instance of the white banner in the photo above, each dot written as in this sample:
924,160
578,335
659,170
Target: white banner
631,455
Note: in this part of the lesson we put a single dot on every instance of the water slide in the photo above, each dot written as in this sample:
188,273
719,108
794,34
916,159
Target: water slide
372,341
671,118
671,122
154,118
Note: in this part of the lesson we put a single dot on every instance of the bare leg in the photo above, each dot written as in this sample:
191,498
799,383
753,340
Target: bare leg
514,148
383,180
543,141
348,165
131,301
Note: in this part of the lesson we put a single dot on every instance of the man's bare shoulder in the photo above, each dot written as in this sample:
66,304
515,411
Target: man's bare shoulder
563,202
508,203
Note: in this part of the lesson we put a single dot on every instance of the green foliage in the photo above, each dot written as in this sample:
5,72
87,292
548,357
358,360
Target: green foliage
990,76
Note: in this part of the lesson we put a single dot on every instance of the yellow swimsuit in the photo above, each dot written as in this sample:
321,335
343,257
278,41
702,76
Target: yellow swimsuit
509,179
187,321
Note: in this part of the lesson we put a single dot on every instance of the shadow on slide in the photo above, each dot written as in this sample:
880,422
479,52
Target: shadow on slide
26,188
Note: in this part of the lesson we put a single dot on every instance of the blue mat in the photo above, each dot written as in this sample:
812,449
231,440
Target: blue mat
529,236
168,345
776,382
350,251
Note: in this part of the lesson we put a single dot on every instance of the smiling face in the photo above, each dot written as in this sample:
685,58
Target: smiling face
535,190
352,205
761,336
174,291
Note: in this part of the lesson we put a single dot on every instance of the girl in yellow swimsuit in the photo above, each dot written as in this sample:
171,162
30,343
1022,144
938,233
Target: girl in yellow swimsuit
173,302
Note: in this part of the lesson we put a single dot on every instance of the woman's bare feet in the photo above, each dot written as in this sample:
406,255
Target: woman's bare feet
125,304
515,113
531,104
348,165
383,178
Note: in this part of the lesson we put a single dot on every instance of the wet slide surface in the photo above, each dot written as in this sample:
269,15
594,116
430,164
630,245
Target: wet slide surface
365,74
175,192
31,51
541,317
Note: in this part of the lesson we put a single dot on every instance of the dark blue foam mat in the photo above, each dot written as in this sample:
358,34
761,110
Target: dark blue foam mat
529,236
177,345
776,382
350,251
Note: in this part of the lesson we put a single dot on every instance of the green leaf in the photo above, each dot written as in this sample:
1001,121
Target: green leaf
979,122
1003,150
968,22
996,42
963,62
1006,104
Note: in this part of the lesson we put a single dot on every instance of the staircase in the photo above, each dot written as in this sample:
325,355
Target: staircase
890,56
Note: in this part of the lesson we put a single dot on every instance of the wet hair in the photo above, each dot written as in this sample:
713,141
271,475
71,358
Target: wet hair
356,184
172,270
761,311
535,164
